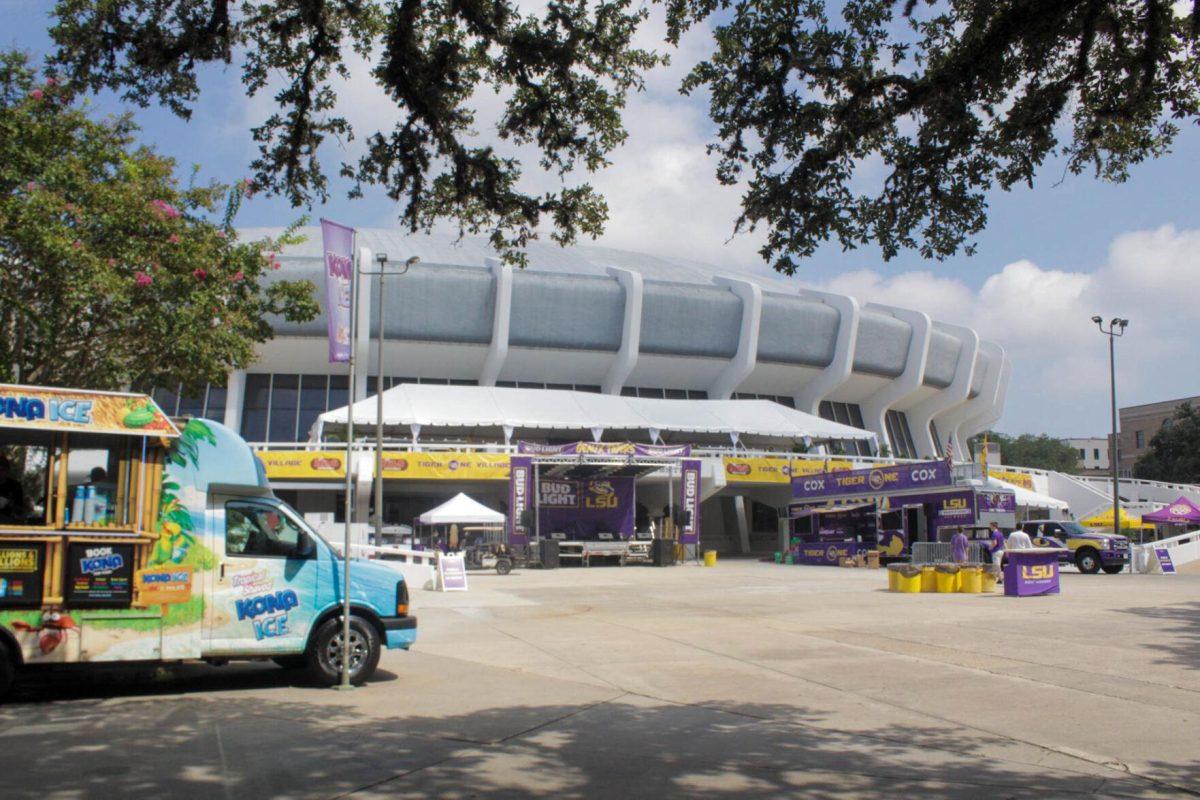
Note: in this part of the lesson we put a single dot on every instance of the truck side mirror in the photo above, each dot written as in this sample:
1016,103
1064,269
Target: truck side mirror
304,545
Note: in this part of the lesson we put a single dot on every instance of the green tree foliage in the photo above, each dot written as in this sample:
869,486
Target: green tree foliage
880,121
113,274
1174,453
1037,452
564,74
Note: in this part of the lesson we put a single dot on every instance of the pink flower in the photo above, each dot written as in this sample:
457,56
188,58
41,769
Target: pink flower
173,239
143,279
29,187
200,273
78,245
220,234
275,265
70,207
51,82
112,262
239,276
166,209
37,94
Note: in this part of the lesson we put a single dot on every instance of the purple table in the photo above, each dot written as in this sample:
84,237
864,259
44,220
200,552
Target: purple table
1031,571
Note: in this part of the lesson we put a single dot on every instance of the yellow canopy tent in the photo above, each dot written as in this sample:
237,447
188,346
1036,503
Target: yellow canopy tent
1105,520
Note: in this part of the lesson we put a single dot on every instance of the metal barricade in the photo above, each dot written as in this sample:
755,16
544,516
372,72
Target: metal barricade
943,553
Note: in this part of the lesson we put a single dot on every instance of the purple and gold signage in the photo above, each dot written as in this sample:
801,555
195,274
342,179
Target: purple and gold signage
338,250
1031,572
898,477
584,509
605,449
828,554
689,501
520,498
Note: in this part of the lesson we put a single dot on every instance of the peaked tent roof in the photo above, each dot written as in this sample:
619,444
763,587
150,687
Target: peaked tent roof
1025,497
434,405
1182,510
462,510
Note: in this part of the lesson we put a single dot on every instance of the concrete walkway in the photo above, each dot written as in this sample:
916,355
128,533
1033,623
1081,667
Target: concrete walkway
748,680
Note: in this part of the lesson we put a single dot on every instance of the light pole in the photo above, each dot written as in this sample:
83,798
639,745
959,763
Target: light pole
382,259
1116,327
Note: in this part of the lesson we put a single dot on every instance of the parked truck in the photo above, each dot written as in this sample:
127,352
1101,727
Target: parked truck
126,536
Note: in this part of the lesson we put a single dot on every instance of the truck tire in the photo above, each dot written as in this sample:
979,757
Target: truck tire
325,652
8,670
1087,560
503,566
1113,569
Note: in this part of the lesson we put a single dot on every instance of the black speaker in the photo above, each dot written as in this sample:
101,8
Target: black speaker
548,552
662,552
682,517
526,520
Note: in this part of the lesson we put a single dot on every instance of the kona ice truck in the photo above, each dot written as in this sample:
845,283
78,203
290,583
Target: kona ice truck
125,537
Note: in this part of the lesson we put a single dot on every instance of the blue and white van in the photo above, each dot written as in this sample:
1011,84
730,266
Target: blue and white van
125,538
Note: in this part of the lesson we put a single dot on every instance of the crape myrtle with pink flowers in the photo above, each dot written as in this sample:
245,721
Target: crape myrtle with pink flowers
115,273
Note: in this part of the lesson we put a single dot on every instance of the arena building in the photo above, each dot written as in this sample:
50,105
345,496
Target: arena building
601,320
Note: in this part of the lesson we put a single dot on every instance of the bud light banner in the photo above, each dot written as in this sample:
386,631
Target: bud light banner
585,509
520,496
898,477
338,248
689,501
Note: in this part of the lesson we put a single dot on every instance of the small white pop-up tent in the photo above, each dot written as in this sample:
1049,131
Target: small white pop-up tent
462,510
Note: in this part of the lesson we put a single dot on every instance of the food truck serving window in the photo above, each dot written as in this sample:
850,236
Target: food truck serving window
26,488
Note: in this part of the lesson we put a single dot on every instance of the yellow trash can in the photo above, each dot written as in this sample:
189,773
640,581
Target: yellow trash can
988,579
893,572
947,578
928,579
908,578
971,580
710,558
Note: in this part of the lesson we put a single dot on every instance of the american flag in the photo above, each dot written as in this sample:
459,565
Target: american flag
950,451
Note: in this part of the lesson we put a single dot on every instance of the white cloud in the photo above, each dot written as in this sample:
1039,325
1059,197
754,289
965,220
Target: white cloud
1043,317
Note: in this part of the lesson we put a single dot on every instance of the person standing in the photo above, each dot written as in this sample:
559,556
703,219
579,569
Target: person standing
1019,540
997,543
958,546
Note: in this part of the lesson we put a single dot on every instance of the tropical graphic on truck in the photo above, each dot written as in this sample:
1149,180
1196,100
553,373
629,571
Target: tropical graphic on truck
126,538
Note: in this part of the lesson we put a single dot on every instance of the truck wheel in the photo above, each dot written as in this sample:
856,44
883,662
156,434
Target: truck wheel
504,566
8,671
325,652
291,662
1087,560
1113,569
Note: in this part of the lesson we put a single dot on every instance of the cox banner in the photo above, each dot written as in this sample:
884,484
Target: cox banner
520,493
582,509
898,477
338,247
689,500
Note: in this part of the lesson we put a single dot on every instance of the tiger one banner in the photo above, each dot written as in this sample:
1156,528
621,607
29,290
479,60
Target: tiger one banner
452,466
765,469
582,509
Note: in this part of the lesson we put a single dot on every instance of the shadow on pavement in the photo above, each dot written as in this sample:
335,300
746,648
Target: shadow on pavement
1184,624
247,746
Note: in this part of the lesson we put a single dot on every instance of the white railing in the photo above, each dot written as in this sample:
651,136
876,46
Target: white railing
1183,549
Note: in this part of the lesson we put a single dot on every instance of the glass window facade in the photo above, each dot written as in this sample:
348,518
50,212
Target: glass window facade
899,435
846,414
208,403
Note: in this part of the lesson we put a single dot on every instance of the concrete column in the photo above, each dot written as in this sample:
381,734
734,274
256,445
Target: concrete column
501,318
809,397
631,331
746,356
742,512
235,399
992,406
955,394
875,407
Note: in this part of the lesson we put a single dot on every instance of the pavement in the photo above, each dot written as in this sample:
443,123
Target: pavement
747,680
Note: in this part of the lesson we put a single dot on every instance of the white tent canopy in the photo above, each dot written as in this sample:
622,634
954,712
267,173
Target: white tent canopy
462,510
432,406
1026,498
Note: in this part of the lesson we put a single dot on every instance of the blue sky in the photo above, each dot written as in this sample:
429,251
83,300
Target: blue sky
1050,258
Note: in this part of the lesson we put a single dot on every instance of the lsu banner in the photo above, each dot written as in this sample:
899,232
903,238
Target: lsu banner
605,449
446,466
284,464
338,248
520,493
689,501
898,477
763,469
582,509
74,410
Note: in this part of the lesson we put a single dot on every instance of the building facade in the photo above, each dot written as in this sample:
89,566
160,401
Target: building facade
1138,424
603,320
1093,452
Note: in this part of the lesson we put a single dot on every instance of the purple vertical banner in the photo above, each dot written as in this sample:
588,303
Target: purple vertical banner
338,248
520,490
689,500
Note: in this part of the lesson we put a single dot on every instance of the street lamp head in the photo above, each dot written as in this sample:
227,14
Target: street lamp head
1097,320
381,258
411,260
1124,324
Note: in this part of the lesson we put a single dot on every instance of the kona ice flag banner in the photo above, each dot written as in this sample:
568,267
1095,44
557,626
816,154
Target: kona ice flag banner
879,480
583,509
337,245
605,449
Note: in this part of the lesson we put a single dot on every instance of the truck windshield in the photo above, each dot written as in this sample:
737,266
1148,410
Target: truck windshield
1074,529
